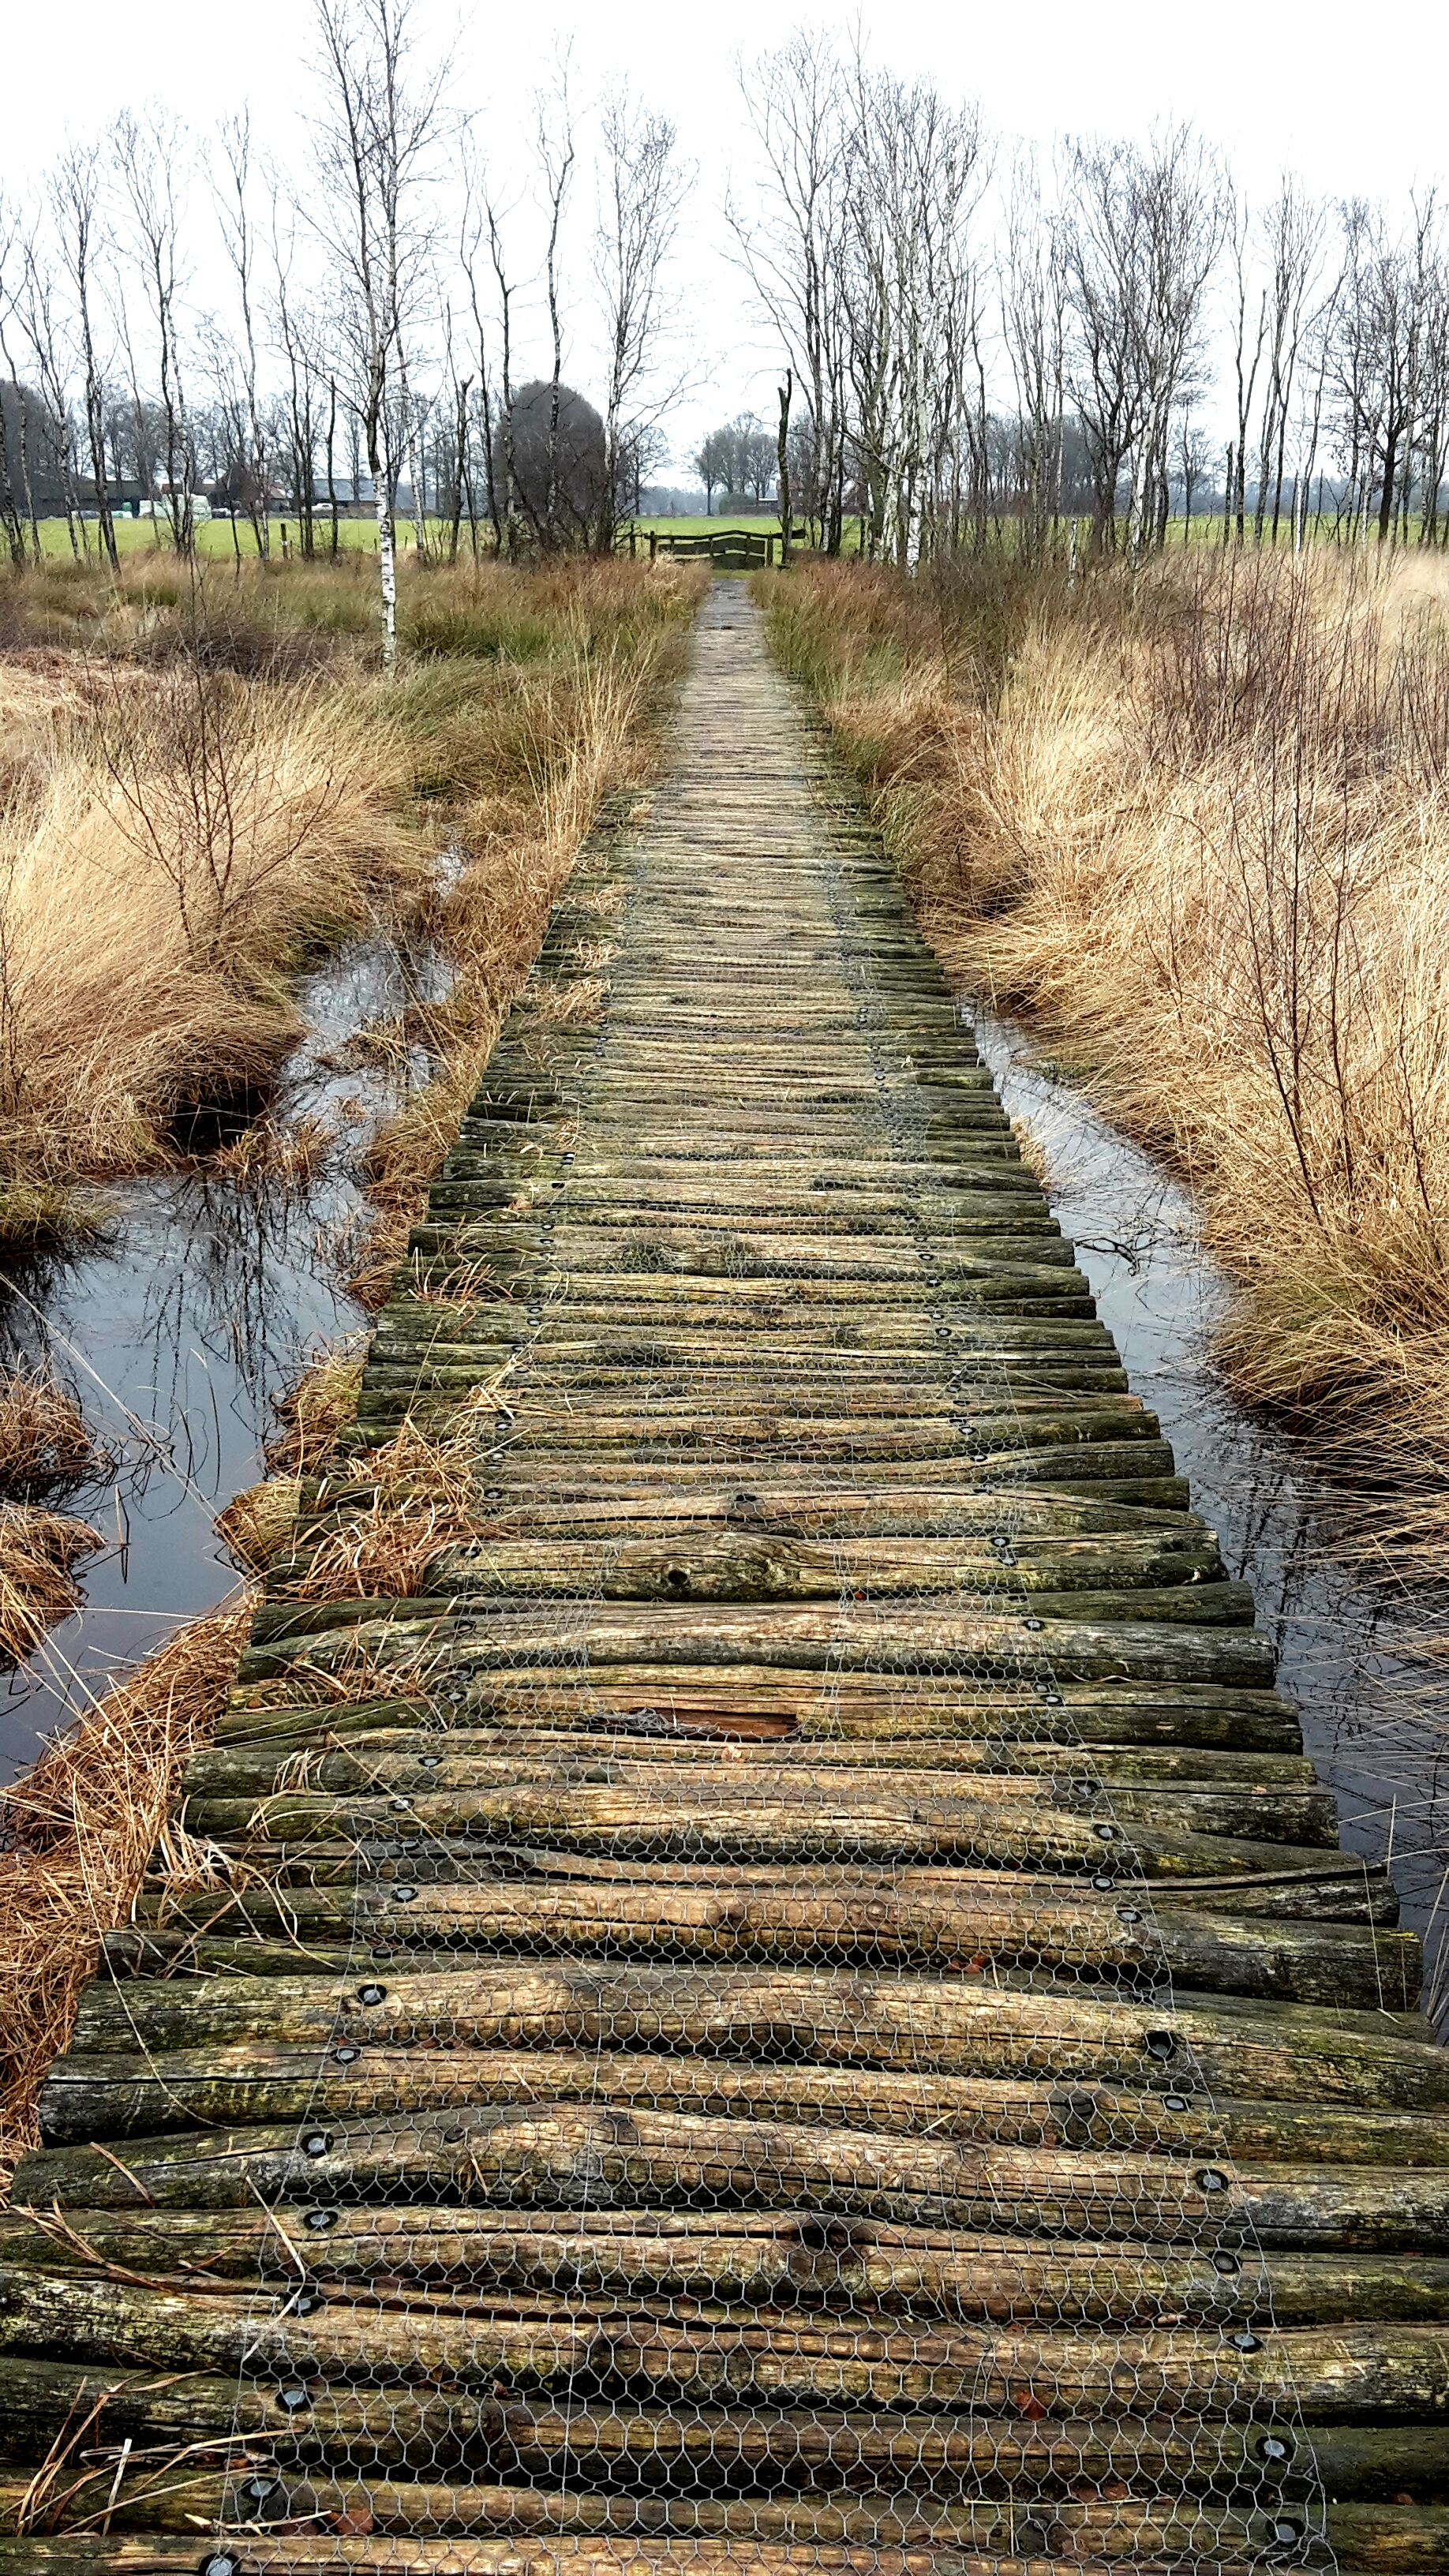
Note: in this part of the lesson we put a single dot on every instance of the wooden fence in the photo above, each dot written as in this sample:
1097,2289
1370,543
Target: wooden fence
728,549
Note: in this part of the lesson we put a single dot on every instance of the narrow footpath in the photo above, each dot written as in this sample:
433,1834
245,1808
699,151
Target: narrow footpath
803,2006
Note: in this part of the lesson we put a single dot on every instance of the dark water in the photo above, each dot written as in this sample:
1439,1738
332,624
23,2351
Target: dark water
203,1302
1375,1723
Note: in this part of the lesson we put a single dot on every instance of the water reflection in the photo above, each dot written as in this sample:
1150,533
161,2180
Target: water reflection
1374,1721
176,1333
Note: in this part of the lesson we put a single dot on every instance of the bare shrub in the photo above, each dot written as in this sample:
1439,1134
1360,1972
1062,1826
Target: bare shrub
168,847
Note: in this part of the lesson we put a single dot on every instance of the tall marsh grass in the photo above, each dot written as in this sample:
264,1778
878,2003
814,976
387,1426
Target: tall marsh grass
1195,823
203,783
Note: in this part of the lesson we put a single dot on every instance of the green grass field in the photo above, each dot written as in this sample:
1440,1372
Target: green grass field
214,536
215,539
767,521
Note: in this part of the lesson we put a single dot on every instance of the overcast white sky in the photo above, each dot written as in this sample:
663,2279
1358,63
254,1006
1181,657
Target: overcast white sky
1355,106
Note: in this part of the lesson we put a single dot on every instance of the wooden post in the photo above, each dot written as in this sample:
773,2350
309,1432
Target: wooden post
286,547
632,547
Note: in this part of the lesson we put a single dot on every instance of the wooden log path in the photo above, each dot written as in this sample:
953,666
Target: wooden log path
801,2005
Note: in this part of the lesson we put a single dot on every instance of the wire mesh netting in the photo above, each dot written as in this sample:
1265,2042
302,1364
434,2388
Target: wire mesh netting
780,2022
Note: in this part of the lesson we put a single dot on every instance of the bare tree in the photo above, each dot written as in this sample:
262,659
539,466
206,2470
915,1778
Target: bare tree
1240,230
16,496
1182,213
1033,291
1294,231
1104,260
375,131
1192,463
38,319
792,251
556,155
76,199
1141,232
481,222
152,161
642,196
916,173
234,210
1386,299
712,464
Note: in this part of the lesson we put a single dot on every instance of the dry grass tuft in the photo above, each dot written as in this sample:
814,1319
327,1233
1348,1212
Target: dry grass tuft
83,1825
466,1284
260,1522
44,1445
1196,824
43,1438
314,1411
37,1551
290,1157
380,1519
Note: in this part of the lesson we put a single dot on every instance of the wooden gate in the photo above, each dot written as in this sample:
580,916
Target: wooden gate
728,549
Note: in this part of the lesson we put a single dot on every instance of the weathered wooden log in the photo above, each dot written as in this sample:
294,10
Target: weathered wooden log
741,1566
1389,2537
551,1830
1254,2049
987,2108
545,2556
1082,2534
418,1757
472,1182
639,2448
262,2497
929,1637
787,2262
604,1803
1352,2373
260,2082
849,1709
1335,1963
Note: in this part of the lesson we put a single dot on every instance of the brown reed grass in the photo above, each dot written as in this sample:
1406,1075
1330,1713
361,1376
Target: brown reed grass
1193,822
203,783
44,1447
38,1551
44,1441
83,1824
382,1517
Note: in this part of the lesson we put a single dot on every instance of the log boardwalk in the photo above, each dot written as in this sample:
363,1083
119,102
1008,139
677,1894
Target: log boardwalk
802,2005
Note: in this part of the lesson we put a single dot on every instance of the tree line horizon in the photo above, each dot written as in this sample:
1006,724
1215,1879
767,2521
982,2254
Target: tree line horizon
966,336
